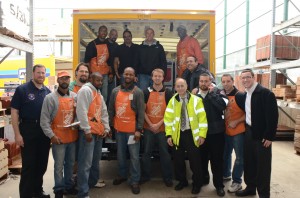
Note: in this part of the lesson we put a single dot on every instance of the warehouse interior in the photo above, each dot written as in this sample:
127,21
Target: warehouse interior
261,35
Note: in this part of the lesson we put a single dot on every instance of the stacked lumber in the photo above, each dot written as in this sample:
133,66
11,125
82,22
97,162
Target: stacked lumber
3,160
297,135
284,92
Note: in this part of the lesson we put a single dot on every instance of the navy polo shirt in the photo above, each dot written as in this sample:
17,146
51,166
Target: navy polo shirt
28,99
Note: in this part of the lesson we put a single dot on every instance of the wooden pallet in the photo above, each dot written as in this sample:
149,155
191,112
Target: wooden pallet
16,164
4,177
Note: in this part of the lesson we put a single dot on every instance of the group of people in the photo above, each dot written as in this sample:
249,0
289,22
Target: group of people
200,121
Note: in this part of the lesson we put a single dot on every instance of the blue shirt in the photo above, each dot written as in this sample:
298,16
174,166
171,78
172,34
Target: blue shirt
28,99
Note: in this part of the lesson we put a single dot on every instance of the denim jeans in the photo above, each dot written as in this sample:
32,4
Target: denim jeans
237,143
64,158
104,88
88,163
134,150
150,139
144,81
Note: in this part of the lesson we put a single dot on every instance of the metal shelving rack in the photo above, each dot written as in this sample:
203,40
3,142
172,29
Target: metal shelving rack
274,64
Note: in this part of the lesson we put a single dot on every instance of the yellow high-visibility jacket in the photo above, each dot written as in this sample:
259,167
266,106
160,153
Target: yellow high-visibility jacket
196,114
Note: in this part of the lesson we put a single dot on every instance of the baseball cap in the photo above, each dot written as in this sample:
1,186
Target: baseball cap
63,74
181,27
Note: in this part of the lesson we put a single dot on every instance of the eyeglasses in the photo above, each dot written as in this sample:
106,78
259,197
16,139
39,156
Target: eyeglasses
246,77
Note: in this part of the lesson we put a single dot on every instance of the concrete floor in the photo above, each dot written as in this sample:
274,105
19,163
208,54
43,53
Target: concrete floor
285,180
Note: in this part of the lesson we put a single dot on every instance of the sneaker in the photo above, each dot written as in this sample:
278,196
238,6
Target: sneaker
227,178
234,187
135,188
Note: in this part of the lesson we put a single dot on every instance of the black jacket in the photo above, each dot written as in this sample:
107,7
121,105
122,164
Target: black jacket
264,114
214,106
150,57
192,78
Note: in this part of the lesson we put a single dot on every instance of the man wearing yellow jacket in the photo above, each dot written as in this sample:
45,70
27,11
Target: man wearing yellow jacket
186,128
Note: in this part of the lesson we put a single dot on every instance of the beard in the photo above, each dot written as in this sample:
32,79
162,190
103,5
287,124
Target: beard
203,88
64,85
82,80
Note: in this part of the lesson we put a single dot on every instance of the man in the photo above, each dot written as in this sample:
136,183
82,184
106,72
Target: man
261,124
187,46
58,111
213,148
125,55
81,77
126,115
26,108
112,44
150,55
92,113
98,56
234,137
193,71
186,127
156,100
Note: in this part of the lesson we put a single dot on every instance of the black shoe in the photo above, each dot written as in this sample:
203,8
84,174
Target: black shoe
245,192
220,192
71,191
41,195
59,194
119,180
181,185
135,189
168,182
196,190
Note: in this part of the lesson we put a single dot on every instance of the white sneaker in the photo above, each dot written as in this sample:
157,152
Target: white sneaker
234,187
227,178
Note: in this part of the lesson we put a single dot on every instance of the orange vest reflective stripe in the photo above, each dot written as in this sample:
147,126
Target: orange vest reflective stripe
233,112
99,63
124,119
76,88
65,116
94,115
155,109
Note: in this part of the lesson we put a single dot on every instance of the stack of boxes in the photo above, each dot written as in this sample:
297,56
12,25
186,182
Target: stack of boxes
286,47
3,160
284,91
13,151
297,135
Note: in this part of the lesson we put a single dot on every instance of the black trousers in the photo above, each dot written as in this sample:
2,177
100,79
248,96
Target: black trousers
212,150
35,155
257,164
186,143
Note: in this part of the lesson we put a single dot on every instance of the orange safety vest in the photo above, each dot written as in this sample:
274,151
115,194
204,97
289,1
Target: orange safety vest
76,88
65,116
94,115
155,109
124,120
99,63
233,112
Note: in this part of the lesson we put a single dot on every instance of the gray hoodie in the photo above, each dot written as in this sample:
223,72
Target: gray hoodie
84,99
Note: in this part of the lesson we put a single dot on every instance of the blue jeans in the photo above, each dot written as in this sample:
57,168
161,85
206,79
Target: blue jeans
150,139
89,156
104,88
237,143
134,150
64,158
144,81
